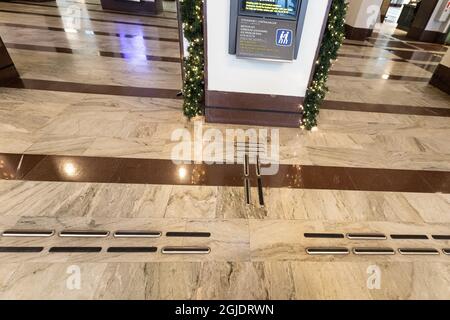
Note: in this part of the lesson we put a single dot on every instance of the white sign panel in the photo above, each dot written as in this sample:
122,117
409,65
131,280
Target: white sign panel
443,16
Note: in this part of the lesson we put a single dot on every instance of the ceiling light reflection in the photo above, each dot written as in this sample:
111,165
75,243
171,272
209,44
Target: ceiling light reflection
182,172
70,169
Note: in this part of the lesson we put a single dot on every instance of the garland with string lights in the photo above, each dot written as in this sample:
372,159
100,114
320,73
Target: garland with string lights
331,42
194,63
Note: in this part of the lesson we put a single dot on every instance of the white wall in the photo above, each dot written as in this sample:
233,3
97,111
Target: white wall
228,73
435,25
363,13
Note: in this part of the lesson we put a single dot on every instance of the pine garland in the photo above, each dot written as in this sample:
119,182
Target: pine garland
194,63
331,42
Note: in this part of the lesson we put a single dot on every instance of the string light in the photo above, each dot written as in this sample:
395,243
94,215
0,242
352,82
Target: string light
194,63
332,41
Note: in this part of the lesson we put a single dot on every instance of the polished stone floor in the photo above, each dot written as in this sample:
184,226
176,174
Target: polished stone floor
94,114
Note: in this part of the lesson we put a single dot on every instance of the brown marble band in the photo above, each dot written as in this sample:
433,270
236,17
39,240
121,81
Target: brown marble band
426,66
63,86
92,10
108,54
377,76
88,32
429,46
157,171
417,55
391,44
406,54
362,56
385,108
92,19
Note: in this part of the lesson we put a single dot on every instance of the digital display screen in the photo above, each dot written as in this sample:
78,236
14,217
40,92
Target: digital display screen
278,8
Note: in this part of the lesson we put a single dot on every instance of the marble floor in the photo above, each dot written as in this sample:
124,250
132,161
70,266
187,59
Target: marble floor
85,146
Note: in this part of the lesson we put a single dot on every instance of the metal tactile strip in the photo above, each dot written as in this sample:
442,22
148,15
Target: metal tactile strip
186,250
28,233
327,251
84,234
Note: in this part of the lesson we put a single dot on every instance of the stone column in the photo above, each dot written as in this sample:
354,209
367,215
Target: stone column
441,77
361,18
431,24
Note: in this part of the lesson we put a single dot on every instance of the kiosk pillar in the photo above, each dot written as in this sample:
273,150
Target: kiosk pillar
145,7
260,58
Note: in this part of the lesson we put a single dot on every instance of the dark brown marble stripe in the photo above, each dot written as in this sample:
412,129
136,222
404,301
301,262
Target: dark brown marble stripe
91,10
91,19
426,66
406,54
361,56
62,86
385,108
88,32
391,44
108,54
417,55
157,171
430,46
377,76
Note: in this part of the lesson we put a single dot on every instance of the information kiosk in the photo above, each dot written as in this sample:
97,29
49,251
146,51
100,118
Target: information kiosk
266,29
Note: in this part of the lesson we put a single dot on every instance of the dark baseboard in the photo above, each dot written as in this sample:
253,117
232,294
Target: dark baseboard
353,33
426,35
252,109
8,74
441,78
7,70
145,8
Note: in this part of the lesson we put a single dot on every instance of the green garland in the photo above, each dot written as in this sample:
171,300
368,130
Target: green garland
194,63
332,41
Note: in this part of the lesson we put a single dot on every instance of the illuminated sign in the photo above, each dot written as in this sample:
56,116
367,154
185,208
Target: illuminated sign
445,12
276,8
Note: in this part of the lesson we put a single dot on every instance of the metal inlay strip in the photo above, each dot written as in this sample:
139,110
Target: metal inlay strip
446,251
373,251
137,234
186,250
247,191
21,249
84,234
75,249
260,193
189,234
366,236
258,166
441,237
409,237
28,233
418,251
324,235
327,251
132,249
246,166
